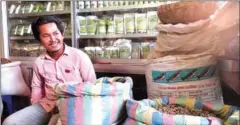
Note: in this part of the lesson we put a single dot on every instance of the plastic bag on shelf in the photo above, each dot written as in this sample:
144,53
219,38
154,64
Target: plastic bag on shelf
110,25
119,24
141,22
129,23
91,24
101,26
125,48
152,21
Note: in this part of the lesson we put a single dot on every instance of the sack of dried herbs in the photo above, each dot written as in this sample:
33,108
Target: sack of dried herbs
180,111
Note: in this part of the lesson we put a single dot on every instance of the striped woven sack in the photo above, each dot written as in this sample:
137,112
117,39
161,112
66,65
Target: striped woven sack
102,102
145,112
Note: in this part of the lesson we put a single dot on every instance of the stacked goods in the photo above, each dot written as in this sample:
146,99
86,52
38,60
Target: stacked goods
184,76
108,4
121,48
24,48
23,28
118,23
99,103
184,111
38,7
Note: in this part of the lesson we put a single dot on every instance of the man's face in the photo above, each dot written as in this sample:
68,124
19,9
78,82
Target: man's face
50,36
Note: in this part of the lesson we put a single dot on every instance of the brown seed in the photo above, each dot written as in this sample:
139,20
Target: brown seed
175,109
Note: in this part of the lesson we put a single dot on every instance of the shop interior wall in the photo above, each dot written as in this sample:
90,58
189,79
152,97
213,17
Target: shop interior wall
3,30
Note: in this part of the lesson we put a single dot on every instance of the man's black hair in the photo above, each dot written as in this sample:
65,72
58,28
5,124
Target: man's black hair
44,20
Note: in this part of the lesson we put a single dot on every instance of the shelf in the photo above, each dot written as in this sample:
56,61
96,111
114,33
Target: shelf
137,35
127,66
39,14
22,38
119,8
119,68
22,58
120,61
30,37
125,8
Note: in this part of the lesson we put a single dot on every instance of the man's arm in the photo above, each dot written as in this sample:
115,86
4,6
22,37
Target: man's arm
37,85
86,69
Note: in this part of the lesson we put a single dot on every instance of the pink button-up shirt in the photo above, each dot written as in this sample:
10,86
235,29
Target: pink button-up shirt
74,66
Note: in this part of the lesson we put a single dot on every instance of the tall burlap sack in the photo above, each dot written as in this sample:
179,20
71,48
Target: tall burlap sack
184,76
183,28
210,39
186,11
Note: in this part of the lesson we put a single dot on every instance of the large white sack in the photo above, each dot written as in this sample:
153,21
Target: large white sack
12,81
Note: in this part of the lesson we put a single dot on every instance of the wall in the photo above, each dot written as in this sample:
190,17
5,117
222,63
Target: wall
3,30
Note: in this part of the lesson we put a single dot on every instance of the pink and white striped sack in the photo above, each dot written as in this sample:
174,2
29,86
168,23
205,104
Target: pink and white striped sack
99,103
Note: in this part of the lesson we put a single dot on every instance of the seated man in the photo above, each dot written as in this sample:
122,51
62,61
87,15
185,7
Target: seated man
59,64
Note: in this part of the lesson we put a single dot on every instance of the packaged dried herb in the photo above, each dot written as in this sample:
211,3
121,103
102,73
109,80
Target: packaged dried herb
107,52
110,26
114,52
82,25
102,26
125,48
90,51
99,52
118,21
152,21
12,8
91,24
136,52
145,49
141,22
129,23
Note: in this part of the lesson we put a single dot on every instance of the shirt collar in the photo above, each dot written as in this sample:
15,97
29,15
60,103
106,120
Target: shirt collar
65,52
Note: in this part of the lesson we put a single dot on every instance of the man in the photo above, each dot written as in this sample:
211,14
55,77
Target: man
59,64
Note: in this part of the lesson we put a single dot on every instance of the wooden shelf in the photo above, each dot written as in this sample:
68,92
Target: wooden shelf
24,15
126,66
135,35
120,8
